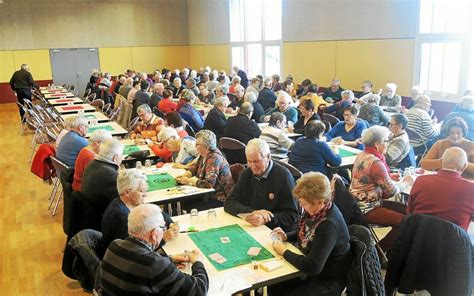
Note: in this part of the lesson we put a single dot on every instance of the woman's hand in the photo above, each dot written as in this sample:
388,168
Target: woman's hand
169,234
266,118
279,247
178,166
408,180
337,141
279,232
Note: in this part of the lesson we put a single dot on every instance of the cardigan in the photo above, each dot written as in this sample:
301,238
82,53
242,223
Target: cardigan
266,98
339,130
131,267
300,125
272,193
397,149
277,139
290,113
373,114
83,159
338,108
215,122
392,104
445,195
311,155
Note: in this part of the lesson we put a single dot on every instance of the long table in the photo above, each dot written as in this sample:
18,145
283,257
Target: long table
65,101
74,109
348,155
90,116
50,96
238,279
114,128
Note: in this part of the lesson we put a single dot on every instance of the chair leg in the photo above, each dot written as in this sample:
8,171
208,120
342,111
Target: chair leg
377,245
57,203
52,189
54,193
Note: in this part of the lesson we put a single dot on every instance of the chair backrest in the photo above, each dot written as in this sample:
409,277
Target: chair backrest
87,93
328,126
231,144
189,129
414,135
331,118
98,104
293,171
58,165
134,123
106,109
113,116
236,170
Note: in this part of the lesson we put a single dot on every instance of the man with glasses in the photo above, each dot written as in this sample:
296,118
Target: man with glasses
131,265
73,141
149,126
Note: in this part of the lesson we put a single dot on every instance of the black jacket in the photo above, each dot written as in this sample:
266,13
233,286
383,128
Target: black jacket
215,122
22,79
258,112
266,98
300,126
347,204
431,254
141,98
272,193
240,127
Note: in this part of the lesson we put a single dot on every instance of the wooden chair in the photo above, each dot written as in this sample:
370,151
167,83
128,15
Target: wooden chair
98,104
233,149
294,171
231,144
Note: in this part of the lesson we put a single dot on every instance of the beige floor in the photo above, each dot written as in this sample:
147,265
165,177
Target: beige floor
32,241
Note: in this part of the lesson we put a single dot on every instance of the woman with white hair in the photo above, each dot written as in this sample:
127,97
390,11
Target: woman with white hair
87,154
210,170
177,87
188,112
283,102
173,148
372,184
258,110
337,109
390,99
372,113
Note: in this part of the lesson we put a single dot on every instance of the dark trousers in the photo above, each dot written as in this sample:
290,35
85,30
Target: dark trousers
389,214
309,286
21,94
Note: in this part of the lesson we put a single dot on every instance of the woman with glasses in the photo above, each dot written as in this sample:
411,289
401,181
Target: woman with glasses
398,142
372,184
306,108
349,131
210,170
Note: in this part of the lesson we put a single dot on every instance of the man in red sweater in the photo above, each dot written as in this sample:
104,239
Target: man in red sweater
446,194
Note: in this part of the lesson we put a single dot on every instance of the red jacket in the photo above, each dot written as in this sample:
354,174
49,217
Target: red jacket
41,165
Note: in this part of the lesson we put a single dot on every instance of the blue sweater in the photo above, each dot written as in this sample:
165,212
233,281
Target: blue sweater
310,155
192,116
290,113
355,133
69,148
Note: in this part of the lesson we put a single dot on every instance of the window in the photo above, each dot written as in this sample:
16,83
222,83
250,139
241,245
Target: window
444,53
255,35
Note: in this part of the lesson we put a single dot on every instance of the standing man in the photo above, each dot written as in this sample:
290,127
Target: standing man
21,83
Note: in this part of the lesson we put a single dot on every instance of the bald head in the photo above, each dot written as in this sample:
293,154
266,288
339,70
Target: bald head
454,158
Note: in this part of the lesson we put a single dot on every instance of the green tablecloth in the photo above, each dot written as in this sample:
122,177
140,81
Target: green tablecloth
160,181
345,153
102,127
90,116
129,149
209,242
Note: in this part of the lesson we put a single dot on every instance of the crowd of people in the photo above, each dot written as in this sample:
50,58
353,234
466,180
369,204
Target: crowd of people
375,123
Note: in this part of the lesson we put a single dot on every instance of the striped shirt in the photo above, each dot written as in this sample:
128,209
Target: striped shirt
130,267
277,139
420,121
398,148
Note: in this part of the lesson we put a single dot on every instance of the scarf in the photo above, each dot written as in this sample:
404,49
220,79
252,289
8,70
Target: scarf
376,153
308,225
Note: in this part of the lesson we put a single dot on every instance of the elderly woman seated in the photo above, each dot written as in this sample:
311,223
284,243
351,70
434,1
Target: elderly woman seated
337,109
455,131
390,100
398,142
210,170
149,125
420,122
372,184
189,113
349,131
372,113
275,134
172,148
323,238
310,153
283,102
308,114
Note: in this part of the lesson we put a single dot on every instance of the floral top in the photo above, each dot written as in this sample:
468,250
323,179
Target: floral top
214,172
371,182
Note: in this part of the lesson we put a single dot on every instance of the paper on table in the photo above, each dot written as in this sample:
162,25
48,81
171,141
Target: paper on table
228,283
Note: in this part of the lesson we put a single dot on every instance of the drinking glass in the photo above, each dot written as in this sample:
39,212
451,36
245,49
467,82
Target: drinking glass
147,163
194,215
211,216
138,165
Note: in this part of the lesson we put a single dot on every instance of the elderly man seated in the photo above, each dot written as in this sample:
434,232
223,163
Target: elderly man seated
131,265
157,95
215,120
132,188
276,136
420,121
263,191
446,194
149,126
390,101
99,182
332,94
283,106
87,154
266,96
73,141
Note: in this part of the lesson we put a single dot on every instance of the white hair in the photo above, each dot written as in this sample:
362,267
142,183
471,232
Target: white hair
143,219
224,89
250,97
176,79
283,95
77,121
391,85
69,121
257,145
129,179
417,89
374,98
24,67
144,108
100,135
221,101
238,88
166,133
236,79
421,98
348,92
374,134
208,138
454,156
267,82
111,147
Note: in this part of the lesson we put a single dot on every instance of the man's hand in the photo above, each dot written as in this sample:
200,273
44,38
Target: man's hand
279,247
279,232
259,217
170,233
194,256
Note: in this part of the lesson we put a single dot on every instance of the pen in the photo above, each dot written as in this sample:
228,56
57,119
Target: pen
187,231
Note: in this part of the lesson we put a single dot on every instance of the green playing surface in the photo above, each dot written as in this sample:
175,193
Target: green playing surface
102,127
235,252
129,149
90,116
160,181
345,153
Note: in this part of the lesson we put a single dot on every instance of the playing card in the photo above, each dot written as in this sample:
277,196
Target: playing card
253,251
225,240
218,258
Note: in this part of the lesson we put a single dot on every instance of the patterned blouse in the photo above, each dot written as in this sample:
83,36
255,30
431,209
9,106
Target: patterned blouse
214,172
371,182
150,129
